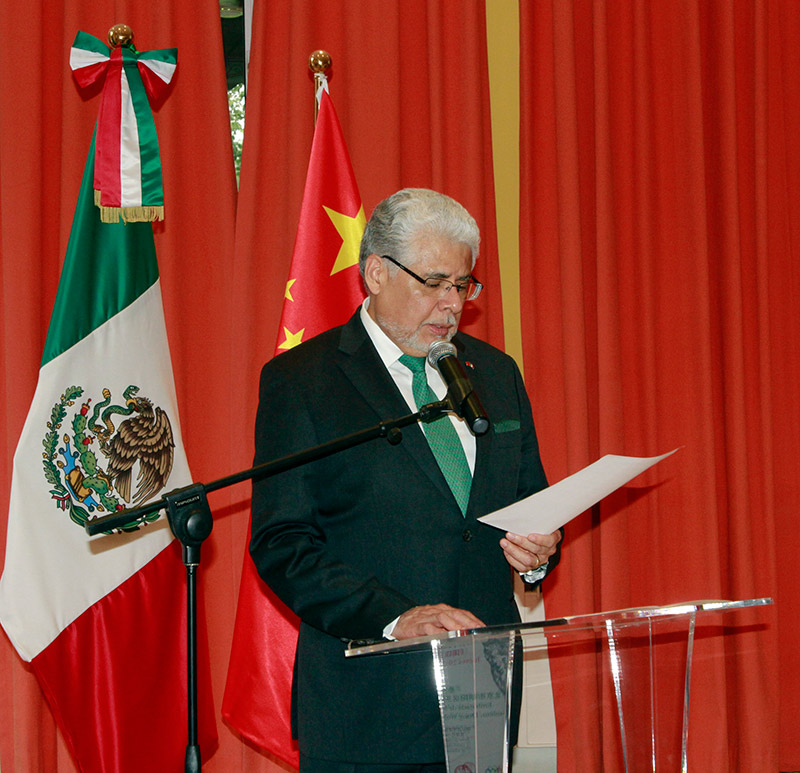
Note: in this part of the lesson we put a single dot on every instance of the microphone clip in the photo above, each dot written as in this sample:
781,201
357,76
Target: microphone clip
433,411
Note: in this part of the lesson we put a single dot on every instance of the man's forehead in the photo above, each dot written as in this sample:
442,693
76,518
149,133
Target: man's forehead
440,257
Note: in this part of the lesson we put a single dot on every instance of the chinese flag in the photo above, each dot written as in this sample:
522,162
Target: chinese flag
323,290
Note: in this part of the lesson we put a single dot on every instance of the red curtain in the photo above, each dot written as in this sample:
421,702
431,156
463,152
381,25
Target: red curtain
659,233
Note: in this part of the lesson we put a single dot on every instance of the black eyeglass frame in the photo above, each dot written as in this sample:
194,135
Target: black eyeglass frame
439,282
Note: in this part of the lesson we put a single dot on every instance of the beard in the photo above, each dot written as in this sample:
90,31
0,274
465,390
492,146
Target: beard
414,340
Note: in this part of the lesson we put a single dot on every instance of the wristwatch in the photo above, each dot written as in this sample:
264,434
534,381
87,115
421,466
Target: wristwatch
534,575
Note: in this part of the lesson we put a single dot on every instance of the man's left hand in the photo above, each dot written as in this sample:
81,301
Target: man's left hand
531,552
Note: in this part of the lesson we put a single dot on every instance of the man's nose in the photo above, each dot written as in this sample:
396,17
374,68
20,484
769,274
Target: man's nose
451,300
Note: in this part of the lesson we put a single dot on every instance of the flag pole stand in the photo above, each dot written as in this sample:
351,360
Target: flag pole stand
191,522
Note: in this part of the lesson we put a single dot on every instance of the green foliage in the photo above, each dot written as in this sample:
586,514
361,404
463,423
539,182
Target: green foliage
236,102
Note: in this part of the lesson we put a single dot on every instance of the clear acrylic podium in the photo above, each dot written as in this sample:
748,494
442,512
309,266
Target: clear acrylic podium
645,658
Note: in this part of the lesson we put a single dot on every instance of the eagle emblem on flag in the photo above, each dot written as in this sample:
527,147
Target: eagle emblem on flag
132,438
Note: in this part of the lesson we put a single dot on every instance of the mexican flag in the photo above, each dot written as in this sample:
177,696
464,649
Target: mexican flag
102,620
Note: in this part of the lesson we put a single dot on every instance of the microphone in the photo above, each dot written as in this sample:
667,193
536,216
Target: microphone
460,394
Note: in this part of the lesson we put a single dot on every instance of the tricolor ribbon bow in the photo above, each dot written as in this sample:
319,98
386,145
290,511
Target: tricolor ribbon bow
127,165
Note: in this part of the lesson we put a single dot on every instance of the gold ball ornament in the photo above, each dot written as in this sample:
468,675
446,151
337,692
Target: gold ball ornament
120,35
319,61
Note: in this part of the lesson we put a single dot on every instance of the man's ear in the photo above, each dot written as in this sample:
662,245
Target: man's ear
375,274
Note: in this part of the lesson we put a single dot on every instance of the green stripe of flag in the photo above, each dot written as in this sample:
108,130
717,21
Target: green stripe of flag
106,268
150,160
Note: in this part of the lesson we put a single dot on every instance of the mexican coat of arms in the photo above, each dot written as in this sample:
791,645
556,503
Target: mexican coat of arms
134,437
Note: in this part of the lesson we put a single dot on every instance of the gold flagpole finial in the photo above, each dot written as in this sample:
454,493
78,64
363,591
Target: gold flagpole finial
120,35
319,63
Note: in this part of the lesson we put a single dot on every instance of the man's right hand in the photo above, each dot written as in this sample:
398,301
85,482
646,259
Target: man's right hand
431,619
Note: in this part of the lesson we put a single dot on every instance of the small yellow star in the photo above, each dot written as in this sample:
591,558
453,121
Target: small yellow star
351,230
288,292
292,339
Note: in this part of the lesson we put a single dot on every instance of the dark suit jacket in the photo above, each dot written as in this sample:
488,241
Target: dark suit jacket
352,541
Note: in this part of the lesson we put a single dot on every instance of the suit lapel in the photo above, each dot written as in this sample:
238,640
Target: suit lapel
360,363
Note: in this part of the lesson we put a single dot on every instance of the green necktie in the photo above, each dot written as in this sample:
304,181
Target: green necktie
442,436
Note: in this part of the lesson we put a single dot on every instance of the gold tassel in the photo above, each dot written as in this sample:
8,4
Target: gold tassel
144,214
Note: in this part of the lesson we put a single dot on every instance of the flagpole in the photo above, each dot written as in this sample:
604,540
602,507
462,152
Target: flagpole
319,63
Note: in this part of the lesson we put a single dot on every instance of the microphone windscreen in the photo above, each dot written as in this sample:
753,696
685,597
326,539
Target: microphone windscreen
439,349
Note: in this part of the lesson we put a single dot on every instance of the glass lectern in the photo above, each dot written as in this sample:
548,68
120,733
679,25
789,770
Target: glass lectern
646,656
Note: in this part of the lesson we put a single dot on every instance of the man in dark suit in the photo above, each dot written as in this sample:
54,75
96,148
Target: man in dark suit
383,540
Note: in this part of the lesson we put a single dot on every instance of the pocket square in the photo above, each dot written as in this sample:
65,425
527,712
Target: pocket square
506,425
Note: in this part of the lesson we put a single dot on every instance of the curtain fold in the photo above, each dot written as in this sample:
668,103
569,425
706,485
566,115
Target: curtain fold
658,249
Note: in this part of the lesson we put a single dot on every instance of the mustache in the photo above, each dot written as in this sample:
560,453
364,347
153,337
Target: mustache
449,320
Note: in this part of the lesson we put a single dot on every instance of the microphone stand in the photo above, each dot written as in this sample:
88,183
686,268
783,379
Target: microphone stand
191,522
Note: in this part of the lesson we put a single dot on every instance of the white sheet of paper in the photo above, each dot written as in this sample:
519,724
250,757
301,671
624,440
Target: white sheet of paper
551,508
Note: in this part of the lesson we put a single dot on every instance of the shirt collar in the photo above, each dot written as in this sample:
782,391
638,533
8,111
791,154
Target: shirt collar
388,350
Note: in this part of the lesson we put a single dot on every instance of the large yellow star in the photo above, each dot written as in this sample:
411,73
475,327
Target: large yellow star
292,339
288,292
350,229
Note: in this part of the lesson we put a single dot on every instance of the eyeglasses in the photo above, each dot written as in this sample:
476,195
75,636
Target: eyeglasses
467,291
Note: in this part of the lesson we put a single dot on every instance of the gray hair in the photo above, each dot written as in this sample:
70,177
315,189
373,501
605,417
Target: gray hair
398,220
